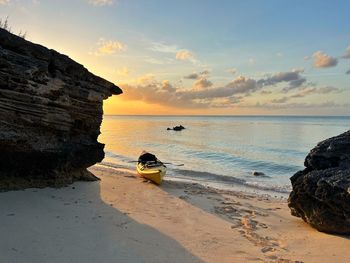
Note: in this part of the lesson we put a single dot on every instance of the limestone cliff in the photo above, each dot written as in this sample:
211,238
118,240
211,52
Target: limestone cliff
50,116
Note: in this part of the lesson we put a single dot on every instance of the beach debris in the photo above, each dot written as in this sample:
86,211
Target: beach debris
176,128
320,193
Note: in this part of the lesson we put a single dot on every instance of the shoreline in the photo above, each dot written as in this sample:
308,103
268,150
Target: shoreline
239,185
123,218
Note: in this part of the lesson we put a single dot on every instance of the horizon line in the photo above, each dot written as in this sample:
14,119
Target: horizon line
222,115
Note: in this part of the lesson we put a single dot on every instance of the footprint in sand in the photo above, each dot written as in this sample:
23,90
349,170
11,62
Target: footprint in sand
268,249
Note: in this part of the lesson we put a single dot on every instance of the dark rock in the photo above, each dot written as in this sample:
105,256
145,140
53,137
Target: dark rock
321,192
255,173
333,152
50,116
178,128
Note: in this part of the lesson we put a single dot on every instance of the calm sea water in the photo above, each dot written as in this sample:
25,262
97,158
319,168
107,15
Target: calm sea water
220,151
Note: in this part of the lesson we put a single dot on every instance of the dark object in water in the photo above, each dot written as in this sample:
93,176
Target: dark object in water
255,173
176,128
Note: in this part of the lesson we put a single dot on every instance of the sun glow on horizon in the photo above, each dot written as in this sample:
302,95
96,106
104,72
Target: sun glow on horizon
271,65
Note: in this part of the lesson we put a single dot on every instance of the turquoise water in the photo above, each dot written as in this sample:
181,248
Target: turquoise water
220,151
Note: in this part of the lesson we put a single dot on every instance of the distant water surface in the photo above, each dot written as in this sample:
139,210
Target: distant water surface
218,150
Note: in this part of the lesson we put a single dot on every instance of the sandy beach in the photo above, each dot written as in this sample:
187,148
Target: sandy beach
124,218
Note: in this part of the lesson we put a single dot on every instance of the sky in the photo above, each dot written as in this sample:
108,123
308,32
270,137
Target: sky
202,57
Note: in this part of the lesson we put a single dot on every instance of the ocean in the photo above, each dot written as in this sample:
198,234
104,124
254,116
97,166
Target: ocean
220,151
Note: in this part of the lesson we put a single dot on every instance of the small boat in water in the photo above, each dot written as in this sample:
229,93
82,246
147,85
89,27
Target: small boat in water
149,167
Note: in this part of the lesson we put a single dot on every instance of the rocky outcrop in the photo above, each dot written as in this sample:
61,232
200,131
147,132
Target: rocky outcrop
177,128
50,116
321,192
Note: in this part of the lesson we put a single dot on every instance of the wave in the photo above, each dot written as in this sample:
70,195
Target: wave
227,180
242,162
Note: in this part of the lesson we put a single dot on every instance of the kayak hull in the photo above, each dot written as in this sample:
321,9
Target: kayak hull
154,174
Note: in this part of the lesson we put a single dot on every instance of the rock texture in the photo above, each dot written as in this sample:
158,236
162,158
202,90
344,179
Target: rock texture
321,192
50,116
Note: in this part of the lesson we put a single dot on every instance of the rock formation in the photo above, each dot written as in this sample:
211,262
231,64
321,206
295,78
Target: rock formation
321,192
176,128
50,116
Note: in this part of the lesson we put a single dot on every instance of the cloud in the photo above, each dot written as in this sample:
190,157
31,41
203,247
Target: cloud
322,60
203,93
204,73
243,85
166,86
184,55
108,47
195,75
279,54
276,106
292,78
154,61
232,71
328,89
280,100
202,83
308,92
149,90
179,54
4,2
123,72
252,61
100,2
348,72
347,53
192,76
164,48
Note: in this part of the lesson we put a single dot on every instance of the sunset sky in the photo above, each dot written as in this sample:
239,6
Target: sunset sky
202,56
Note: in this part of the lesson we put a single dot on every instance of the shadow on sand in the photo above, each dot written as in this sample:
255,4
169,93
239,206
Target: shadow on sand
73,224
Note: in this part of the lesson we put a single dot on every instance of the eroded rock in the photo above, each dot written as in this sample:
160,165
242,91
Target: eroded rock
50,116
321,192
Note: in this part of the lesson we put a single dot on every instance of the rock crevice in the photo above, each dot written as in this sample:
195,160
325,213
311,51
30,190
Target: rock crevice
50,116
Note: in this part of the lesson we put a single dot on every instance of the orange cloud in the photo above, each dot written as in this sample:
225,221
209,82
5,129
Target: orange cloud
184,55
123,72
110,47
322,60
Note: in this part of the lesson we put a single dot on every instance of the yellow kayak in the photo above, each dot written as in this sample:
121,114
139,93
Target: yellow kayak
150,167
153,172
